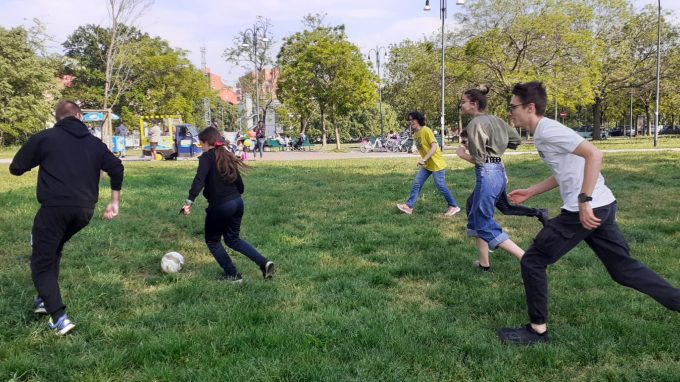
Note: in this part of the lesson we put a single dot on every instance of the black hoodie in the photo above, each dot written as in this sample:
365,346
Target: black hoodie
70,160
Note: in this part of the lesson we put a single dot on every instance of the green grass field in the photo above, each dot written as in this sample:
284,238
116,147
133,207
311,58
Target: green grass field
362,293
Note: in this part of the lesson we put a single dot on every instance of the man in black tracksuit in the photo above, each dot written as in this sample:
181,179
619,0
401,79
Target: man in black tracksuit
70,160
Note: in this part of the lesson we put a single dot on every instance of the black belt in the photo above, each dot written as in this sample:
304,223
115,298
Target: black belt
492,160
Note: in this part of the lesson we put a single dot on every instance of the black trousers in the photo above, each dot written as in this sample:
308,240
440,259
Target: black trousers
563,233
504,206
52,228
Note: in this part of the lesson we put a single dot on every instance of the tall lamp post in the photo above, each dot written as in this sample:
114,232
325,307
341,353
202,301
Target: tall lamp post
442,15
658,72
255,30
377,51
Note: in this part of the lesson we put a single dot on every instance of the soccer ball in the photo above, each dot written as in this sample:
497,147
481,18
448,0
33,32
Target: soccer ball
172,262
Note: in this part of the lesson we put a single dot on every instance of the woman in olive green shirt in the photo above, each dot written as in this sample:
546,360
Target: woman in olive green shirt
488,137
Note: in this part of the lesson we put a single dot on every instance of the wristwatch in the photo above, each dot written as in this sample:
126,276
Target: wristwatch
583,198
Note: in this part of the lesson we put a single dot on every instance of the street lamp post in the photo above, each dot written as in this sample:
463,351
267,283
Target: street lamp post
658,71
377,51
442,15
254,31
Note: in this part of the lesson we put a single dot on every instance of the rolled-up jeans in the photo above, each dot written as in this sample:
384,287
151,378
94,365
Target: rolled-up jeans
489,187
439,181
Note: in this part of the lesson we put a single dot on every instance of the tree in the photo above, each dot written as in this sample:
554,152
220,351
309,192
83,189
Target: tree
511,41
161,80
28,85
252,49
320,64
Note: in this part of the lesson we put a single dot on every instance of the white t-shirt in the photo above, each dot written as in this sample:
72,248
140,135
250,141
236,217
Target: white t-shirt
555,144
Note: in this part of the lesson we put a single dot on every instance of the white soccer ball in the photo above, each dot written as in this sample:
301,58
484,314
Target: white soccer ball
172,262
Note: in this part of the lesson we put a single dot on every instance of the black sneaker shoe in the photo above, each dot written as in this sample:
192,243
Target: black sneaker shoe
521,336
39,306
268,270
236,279
483,268
543,216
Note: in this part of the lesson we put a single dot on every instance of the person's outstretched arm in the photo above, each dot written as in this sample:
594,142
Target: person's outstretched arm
521,195
26,158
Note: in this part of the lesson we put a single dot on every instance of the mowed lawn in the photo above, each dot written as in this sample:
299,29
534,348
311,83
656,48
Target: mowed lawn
362,292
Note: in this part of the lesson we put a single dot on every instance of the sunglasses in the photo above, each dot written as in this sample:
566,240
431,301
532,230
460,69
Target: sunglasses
512,107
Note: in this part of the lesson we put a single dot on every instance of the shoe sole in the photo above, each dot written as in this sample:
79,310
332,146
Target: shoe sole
66,329
40,310
269,270
451,213
504,338
407,212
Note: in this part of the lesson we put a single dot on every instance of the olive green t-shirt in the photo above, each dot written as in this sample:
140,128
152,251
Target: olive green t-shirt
489,136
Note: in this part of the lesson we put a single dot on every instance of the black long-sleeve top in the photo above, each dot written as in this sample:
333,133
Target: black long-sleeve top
70,160
215,188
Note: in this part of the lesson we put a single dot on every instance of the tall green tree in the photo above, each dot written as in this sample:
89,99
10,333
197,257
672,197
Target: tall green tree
252,49
331,71
28,85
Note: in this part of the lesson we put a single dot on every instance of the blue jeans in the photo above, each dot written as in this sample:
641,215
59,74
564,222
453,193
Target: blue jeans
489,187
225,221
259,146
439,181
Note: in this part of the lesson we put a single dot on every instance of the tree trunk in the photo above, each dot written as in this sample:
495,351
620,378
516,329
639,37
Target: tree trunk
648,122
323,130
303,124
597,118
335,128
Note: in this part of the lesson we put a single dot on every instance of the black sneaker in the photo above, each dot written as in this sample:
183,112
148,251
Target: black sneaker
268,270
521,336
543,216
483,268
236,279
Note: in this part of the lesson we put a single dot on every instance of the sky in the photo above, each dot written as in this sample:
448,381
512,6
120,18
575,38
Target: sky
214,23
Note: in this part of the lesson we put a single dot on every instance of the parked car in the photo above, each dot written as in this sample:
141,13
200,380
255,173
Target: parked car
670,130
620,131
587,132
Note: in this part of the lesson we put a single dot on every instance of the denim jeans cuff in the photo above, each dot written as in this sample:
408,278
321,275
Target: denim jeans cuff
471,232
493,244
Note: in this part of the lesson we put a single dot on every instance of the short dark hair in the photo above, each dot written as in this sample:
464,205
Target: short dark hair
418,117
65,109
532,92
477,96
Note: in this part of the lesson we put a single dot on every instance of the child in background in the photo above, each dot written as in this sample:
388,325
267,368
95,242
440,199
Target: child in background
219,176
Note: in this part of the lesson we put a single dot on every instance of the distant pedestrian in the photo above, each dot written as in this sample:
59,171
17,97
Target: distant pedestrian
259,139
70,161
431,163
122,132
154,139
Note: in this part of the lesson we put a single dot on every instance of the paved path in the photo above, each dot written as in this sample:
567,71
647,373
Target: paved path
273,156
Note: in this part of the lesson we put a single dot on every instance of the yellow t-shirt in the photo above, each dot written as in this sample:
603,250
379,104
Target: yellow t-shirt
423,139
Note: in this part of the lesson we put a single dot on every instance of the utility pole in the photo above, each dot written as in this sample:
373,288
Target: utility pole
206,101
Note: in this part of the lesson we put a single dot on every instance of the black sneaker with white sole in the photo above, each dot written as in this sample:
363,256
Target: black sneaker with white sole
268,270
521,336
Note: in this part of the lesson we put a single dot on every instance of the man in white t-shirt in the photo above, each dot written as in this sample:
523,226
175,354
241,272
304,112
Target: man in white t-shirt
588,214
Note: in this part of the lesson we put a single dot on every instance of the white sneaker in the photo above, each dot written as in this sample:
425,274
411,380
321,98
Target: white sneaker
405,209
452,211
